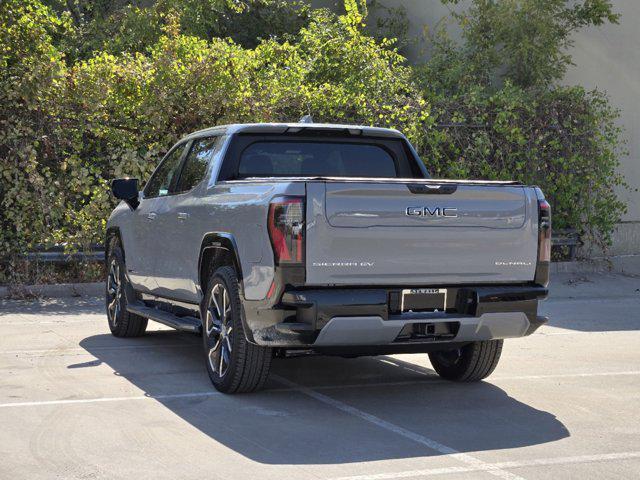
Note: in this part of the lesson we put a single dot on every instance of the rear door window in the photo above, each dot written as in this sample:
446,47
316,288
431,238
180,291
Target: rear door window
196,163
310,159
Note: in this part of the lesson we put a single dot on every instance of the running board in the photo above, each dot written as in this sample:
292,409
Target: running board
184,324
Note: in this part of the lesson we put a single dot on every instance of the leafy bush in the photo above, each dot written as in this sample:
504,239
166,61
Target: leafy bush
499,112
132,26
563,140
116,114
32,81
90,91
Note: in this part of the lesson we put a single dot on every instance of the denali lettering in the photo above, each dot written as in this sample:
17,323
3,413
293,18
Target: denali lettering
450,212
500,263
343,264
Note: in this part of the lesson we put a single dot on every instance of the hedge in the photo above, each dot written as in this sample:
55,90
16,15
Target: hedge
71,119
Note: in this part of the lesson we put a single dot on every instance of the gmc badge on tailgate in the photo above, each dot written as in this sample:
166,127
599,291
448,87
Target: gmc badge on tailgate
449,212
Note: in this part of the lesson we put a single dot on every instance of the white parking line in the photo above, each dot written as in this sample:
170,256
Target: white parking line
75,350
39,321
567,375
541,462
476,463
211,393
434,379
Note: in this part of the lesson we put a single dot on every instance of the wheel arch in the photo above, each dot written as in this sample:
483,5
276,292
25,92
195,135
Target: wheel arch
112,232
219,249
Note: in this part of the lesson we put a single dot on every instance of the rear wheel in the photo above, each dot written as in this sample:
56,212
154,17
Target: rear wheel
470,363
234,365
121,322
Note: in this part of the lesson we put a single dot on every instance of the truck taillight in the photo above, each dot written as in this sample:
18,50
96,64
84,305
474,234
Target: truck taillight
286,230
544,231
544,240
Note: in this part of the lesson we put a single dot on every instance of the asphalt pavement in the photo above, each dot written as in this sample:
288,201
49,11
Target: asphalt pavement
564,403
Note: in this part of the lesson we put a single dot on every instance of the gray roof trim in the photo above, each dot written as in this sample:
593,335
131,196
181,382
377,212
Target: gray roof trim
412,181
294,127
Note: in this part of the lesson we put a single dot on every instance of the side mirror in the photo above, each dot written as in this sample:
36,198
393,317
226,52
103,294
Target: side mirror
126,189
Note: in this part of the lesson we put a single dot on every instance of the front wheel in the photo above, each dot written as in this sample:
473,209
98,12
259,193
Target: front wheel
121,322
471,363
234,365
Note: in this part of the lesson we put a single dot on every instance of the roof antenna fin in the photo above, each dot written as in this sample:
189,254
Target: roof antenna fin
306,119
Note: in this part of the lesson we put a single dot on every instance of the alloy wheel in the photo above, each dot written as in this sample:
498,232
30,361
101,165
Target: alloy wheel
114,292
219,329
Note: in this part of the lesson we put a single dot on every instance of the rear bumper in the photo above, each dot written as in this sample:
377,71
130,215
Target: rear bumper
338,317
345,331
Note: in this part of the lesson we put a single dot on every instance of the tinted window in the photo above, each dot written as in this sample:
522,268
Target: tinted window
160,182
328,159
195,166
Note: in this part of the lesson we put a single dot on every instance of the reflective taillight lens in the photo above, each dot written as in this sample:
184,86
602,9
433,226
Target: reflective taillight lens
544,240
544,231
286,230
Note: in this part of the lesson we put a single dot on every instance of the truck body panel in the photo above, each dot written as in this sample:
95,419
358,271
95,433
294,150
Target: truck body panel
362,233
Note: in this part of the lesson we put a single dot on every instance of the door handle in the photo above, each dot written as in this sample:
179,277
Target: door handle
152,215
183,215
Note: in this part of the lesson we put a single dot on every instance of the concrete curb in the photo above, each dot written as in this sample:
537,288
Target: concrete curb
627,264
60,290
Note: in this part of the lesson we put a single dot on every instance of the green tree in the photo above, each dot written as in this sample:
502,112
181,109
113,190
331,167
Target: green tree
134,25
526,41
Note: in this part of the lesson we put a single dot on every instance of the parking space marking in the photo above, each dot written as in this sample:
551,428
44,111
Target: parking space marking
434,379
567,375
408,434
541,462
55,352
76,401
38,320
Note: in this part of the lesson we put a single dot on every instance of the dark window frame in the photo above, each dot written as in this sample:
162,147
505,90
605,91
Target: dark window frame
186,145
395,146
183,163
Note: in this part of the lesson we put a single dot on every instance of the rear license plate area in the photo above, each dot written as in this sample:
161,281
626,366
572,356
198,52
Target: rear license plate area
423,300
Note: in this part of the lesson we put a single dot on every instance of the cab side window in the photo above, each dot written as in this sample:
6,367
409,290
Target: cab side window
159,184
196,163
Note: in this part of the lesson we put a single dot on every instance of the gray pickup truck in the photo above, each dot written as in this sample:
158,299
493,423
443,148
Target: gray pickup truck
282,239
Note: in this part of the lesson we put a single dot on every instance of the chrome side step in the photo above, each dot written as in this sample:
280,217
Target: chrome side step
184,324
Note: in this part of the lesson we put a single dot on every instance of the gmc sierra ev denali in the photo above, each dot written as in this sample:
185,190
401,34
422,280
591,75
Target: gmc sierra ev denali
269,239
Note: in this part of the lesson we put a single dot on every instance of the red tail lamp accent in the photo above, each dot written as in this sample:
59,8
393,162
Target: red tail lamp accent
286,230
272,290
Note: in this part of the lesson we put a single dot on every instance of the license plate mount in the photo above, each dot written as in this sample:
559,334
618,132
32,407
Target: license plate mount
423,300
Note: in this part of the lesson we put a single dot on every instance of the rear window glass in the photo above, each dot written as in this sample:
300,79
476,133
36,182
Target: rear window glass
310,159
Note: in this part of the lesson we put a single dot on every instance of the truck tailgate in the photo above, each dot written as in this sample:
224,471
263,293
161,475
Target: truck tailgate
406,233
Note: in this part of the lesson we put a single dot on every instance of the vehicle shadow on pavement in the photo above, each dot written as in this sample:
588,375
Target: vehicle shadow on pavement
284,425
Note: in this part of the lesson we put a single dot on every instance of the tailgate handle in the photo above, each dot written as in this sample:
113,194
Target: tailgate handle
422,189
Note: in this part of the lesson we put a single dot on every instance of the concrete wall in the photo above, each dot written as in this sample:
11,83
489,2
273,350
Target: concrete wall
607,58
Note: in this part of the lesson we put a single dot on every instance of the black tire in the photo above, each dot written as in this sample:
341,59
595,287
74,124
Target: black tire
121,322
470,363
245,366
